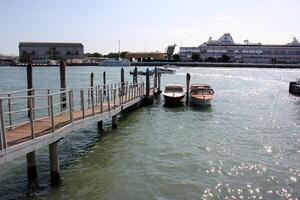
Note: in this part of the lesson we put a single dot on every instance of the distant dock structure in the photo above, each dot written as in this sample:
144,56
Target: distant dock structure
41,51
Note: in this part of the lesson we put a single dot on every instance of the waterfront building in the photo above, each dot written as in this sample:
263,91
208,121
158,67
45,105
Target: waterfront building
41,51
225,47
146,56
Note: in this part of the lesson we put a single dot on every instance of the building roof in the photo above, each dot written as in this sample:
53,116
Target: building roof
294,42
49,44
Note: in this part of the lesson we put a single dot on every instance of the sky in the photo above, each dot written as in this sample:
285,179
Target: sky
145,25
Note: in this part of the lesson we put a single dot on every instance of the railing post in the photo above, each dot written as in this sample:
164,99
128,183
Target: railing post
82,102
49,110
107,93
147,83
115,90
33,103
52,113
96,95
9,109
71,105
3,143
31,117
101,101
92,101
89,101
126,92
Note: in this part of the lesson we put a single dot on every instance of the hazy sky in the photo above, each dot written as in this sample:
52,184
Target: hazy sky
145,25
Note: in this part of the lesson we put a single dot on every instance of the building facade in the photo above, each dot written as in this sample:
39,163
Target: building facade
146,56
49,51
214,50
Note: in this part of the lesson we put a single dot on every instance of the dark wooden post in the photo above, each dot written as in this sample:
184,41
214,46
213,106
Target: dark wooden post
104,83
115,121
31,170
135,75
29,84
92,90
188,79
155,78
158,82
147,83
54,164
62,69
122,81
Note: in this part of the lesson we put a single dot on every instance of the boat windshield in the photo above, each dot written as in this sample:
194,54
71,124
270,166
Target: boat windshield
202,91
173,89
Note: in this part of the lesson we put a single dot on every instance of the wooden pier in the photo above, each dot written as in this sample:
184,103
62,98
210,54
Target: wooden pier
36,117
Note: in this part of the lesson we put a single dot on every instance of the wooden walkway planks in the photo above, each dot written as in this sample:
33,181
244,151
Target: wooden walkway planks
42,127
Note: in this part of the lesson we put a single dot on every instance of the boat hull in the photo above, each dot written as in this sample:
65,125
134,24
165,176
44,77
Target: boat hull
200,101
173,101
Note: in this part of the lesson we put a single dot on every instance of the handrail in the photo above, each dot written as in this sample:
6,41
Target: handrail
34,96
94,98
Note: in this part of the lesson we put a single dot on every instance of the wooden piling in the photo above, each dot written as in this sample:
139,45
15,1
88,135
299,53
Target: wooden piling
31,169
54,164
158,82
155,78
122,81
115,121
104,83
29,84
100,126
63,96
92,92
188,79
147,83
135,74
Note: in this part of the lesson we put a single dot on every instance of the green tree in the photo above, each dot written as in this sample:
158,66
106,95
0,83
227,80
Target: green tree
195,57
123,54
225,58
96,54
112,55
176,57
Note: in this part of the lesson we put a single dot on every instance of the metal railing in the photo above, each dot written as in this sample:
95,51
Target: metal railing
55,108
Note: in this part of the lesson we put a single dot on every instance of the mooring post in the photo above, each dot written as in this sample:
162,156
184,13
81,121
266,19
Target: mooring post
115,121
100,126
147,83
92,93
155,78
54,164
104,83
135,75
63,96
158,82
29,84
122,81
31,169
188,79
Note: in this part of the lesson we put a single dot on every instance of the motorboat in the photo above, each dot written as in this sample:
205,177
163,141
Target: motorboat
201,94
116,62
173,94
166,70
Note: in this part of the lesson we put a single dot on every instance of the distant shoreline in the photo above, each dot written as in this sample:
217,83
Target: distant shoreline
182,64
229,65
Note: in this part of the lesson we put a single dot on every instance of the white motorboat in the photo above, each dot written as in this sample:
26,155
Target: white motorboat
173,94
201,94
